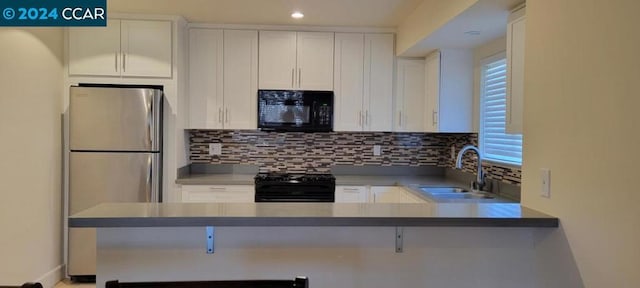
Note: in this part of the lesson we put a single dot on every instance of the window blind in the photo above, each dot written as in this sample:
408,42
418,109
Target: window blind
495,144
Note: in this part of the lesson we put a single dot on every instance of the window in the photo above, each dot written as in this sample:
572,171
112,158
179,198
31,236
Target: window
495,144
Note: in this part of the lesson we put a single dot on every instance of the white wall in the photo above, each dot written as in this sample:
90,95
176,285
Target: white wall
332,257
582,120
30,155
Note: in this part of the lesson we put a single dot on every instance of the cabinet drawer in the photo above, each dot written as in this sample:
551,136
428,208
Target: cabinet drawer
352,194
218,193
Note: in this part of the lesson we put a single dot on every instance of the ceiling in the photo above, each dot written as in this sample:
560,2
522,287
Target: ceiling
356,13
488,17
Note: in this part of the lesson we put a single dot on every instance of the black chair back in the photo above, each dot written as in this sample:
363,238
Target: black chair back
25,285
299,282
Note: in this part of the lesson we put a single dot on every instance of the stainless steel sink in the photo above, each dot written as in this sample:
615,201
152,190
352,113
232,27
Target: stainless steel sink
455,193
439,190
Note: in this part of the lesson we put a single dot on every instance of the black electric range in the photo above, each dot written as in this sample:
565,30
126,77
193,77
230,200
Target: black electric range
285,187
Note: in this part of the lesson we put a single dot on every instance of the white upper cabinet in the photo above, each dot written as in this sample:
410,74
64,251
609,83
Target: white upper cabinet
146,48
378,82
95,50
277,60
348,82
449,91
223,79
240,79
130,48
363,82
410,96
315,60
515,71
205,78
296,60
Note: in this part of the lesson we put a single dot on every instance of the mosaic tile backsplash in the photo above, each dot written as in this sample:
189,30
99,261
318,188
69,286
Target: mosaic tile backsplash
297,152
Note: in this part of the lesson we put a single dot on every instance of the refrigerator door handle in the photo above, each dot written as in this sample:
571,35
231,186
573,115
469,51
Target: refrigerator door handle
154,116
152,184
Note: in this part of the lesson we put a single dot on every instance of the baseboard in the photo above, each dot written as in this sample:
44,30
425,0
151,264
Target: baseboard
51,278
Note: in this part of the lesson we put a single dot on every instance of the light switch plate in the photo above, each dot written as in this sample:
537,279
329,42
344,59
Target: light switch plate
545,183
377,150
215,149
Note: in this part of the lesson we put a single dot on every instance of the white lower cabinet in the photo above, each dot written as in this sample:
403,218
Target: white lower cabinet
218,193
375,194
352,194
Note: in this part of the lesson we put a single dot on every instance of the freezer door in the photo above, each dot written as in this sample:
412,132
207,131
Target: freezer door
97,177
115,119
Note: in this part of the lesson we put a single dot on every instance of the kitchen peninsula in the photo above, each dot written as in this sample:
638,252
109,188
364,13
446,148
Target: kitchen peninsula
334,244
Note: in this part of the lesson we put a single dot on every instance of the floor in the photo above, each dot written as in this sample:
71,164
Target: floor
68,284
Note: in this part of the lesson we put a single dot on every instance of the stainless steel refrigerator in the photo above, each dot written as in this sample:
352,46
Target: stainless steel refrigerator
115,141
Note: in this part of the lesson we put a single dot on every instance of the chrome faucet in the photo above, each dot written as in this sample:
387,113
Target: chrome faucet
480,177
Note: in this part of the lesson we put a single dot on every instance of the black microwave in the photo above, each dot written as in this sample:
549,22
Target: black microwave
290,110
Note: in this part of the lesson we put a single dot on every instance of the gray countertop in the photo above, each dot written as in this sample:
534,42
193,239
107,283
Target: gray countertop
310,214
216,179
379,180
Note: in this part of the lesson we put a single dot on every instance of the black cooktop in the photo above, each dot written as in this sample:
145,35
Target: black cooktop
293,178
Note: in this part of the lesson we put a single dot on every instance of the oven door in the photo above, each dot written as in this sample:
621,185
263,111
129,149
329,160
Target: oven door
284,192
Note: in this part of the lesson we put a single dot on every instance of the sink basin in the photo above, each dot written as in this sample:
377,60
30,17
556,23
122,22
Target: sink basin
455,193
439,190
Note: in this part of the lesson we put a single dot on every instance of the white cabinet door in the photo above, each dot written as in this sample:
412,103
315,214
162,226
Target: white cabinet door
205,78
315,60
131,48
277,60
449,91
378,82
146,48
95,51
240,79
515,71
348,75
386,194
218,193
432,91
410,96
393,194
352,194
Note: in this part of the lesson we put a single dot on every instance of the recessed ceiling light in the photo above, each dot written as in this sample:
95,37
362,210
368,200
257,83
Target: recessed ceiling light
297,15
472,32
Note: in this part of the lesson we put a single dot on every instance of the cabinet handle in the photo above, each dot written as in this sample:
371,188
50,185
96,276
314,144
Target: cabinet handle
434,115
116,62
124,62
400,118
226,113
293,73
218,188
351,190
367,120
299,77
220,115
360,118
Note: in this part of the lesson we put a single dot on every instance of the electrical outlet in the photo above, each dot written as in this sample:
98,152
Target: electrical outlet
545,183
215,148
377,150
